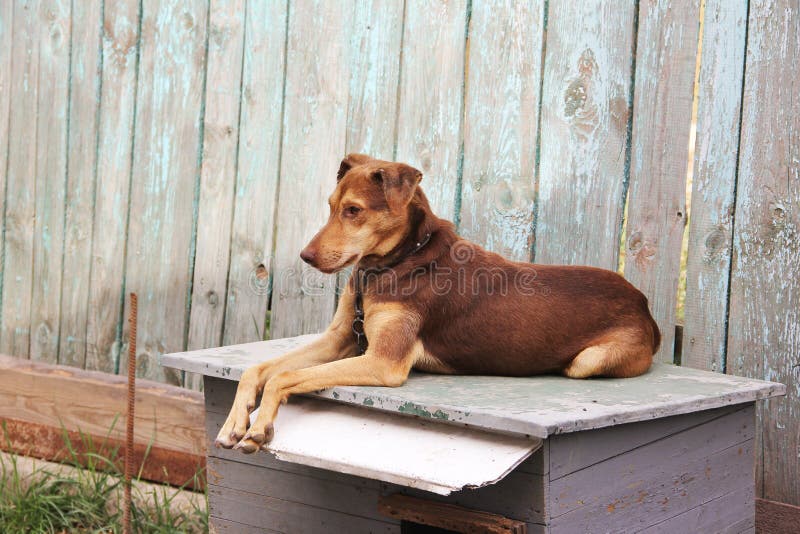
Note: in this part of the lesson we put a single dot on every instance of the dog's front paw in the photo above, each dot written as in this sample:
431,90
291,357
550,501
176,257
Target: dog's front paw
234,428
258,436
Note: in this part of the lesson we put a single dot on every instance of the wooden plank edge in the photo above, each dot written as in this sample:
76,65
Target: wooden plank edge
446,516
156,464
774,517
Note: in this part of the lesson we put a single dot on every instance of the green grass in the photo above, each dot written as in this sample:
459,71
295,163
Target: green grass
86,500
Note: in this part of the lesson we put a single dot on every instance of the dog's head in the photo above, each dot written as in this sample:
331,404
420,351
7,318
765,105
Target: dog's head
369,212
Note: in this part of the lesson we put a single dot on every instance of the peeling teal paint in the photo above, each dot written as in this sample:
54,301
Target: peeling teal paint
415,409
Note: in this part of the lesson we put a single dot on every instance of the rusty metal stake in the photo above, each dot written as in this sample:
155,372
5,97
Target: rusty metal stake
126,510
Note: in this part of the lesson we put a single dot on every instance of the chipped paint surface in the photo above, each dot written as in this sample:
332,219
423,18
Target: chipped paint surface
584,132
537,406
763,336
500,130
714,180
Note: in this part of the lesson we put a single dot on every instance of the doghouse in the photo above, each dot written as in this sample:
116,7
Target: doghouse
672,450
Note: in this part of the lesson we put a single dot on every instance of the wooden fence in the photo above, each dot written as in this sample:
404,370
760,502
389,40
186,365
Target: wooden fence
184,149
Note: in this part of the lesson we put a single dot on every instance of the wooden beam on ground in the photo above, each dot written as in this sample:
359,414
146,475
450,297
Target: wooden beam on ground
41,405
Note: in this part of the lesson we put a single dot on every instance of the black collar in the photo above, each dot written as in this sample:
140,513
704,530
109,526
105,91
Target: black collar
358,283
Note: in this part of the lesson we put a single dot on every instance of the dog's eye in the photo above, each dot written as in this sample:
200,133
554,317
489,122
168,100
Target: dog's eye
352,211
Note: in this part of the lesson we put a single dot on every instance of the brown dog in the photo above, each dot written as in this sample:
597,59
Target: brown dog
428,300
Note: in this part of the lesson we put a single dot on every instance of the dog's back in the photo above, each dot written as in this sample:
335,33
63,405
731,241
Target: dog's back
483,314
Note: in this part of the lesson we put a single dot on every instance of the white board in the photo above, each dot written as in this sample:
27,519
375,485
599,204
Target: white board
408,451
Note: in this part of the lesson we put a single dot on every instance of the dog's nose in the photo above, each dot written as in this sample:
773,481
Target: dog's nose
308,255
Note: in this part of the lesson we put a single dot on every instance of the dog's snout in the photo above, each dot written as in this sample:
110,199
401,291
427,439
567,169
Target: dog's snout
308,255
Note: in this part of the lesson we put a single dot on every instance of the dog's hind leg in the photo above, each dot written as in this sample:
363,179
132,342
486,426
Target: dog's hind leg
621,354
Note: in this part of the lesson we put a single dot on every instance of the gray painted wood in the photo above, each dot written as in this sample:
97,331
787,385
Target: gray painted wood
763,338
657,481
500,128
84,106
729,513
258,164
246,507
114,156
690,472
666,50
573,452
538,406
584,139
358,500
713,185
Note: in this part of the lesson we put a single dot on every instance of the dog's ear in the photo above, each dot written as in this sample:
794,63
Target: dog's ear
350,161
399,183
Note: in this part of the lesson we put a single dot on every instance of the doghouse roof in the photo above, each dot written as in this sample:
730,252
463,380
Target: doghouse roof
483,425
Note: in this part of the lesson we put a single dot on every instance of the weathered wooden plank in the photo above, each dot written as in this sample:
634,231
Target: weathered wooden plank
114,155
573,452
21,166
337,495
84,93
314,132
763,335
666,50
714,182
429,122
218,172
586,111
732,512
257,171
501,119
377,32
217,176
6,49
54,18
56,443
243,506
694,466
165,173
